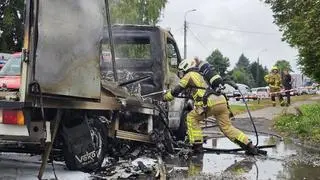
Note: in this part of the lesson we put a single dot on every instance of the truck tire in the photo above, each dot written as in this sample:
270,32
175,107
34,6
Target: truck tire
98,131
181,132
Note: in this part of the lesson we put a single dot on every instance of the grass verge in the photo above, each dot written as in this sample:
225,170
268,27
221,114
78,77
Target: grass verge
305,126
255,105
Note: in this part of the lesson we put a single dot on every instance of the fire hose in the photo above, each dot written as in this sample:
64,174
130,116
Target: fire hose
250,117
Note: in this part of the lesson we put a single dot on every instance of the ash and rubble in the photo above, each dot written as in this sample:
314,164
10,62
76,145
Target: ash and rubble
146,161
135,160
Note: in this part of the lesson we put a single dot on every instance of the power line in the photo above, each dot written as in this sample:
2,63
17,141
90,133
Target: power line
196,37
233,30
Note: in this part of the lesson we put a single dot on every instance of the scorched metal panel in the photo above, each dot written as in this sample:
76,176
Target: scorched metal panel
67,59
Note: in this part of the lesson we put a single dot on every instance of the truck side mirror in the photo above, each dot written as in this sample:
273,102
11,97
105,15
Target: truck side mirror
173,61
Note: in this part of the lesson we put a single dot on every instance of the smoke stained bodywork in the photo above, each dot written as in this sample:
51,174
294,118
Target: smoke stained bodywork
67,54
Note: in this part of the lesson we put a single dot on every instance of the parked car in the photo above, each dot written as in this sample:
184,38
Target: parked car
307,90
4,58
263,92
228,90
254,91
246,92
294,92
2,63
10,74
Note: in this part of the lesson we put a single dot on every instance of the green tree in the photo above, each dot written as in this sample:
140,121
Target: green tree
241,73
243,62
136,11
258,78
219,62
11,25
299,21
283,64
241,76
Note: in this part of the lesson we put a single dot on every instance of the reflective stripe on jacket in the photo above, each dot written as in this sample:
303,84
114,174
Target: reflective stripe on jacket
193,80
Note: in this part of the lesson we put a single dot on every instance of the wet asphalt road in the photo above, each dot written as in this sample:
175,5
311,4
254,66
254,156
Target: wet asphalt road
285,161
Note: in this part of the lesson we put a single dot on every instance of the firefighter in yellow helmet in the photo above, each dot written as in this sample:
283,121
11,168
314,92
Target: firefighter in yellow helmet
274,81
216,107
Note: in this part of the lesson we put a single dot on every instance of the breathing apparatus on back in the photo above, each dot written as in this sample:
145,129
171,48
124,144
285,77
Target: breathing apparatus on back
211,75
215,81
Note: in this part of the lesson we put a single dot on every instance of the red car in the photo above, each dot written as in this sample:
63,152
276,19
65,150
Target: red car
10,74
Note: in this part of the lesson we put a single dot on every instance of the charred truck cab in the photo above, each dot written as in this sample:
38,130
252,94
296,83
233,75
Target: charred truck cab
145,52
68,102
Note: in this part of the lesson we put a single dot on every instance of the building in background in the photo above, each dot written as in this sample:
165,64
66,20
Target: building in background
299,80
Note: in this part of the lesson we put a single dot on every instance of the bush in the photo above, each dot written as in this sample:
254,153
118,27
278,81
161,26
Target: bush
305,126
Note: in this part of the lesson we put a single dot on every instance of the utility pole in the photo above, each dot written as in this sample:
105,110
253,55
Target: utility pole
257,74
185,39
185,32
257,69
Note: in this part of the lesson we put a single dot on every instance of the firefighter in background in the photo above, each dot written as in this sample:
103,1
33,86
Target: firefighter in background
274,81
287,84
215,105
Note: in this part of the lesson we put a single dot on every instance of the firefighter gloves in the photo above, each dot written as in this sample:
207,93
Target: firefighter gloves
168,96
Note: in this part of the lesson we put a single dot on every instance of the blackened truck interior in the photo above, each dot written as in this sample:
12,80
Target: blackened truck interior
137,55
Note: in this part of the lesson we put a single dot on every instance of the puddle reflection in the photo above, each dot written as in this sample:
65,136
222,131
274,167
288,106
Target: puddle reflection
241,166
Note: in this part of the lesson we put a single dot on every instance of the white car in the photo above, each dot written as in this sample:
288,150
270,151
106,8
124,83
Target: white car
246,91
263,92
254,91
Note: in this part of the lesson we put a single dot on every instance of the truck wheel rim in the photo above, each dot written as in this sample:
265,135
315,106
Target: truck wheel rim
97,141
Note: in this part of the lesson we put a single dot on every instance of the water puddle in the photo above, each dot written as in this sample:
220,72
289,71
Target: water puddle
282,162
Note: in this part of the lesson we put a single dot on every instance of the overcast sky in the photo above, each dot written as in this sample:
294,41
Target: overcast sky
243,15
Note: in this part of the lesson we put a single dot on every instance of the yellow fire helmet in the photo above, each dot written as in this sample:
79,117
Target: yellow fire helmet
274,68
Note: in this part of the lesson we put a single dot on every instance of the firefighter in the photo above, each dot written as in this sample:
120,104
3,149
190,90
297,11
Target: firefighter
216,106
274,81
213,79
287,84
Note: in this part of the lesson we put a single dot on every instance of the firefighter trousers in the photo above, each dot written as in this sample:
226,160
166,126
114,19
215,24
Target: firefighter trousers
274,93
221,113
